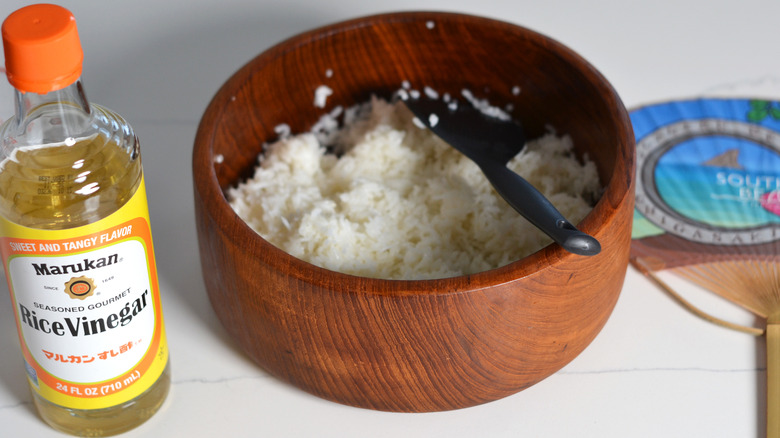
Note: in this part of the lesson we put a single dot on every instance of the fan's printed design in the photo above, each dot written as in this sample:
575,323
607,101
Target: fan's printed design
708,171
708,210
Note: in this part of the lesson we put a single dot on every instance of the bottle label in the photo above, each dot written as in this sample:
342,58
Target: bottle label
87,306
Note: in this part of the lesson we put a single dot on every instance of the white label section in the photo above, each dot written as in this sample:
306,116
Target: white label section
86,317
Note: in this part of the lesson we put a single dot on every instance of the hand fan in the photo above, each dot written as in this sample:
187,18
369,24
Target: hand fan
708,209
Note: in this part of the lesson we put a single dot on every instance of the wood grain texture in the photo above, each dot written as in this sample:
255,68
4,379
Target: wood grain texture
412,346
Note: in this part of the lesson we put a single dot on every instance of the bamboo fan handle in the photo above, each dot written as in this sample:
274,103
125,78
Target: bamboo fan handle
773,379
640,265
772,333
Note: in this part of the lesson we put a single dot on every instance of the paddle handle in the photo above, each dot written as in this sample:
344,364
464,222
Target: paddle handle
773,380
532,205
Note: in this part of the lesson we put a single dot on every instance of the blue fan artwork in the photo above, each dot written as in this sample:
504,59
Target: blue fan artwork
708,209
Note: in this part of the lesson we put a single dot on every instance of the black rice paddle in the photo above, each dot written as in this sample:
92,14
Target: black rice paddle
491,142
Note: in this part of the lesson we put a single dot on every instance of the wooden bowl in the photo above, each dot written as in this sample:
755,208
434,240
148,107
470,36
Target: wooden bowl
412,345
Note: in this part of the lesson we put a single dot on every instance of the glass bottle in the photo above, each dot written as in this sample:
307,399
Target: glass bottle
75,239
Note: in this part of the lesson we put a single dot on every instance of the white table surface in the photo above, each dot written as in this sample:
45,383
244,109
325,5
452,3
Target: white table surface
654,371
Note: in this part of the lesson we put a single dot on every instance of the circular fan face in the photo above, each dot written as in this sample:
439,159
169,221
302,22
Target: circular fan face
708,180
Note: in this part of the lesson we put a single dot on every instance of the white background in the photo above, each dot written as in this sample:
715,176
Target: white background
654,371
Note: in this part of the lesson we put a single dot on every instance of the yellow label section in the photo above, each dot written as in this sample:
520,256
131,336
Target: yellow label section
87,306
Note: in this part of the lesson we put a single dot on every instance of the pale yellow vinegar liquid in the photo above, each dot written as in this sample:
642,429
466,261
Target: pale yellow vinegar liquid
64,186
59,186
108,421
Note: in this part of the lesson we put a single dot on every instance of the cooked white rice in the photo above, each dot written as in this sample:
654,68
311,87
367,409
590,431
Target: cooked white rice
399,203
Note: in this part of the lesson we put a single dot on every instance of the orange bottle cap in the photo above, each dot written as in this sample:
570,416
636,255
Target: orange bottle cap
42,48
